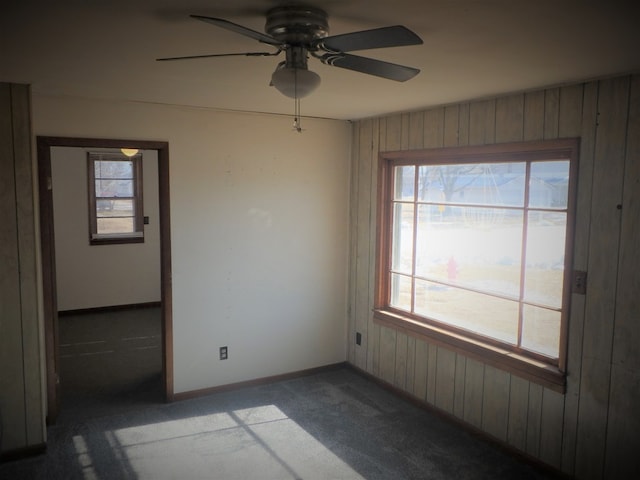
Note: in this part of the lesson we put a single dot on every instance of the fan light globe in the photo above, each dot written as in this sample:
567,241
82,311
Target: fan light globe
295,82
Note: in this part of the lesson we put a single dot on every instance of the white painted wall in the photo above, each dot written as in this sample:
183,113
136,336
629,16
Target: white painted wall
90,276
259,222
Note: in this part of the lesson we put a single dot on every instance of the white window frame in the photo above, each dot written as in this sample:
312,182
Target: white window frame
135,236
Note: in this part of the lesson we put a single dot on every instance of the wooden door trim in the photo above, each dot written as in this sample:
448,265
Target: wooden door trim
44,144
50,308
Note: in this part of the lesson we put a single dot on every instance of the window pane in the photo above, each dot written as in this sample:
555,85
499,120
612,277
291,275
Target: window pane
404,183
544,270
103,207
401,292
483,254
113,169
549,184
115,208
499,184
114,188
433,238
489,316
107,226
541,330
402,254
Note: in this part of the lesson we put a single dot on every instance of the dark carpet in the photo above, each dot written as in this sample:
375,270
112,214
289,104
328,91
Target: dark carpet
336,424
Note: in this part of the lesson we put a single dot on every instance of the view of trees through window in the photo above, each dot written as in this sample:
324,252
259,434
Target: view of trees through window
481,247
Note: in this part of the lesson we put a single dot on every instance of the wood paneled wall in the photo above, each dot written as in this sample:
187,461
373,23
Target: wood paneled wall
591,431
21,395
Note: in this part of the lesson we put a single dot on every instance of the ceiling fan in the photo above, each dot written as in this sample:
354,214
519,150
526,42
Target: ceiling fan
300,31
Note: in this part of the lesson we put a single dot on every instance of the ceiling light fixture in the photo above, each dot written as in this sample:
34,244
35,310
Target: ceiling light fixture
295,82
293,79
129,152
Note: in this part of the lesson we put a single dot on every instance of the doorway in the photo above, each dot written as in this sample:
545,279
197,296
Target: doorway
51,322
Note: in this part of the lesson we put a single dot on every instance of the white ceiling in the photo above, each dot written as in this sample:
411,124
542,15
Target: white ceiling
472,48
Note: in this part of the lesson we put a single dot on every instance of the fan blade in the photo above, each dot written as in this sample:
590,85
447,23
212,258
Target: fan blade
234,27
213,55
397,36
391,71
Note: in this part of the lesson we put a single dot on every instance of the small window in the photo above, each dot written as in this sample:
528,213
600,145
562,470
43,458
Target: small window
475,249
115,198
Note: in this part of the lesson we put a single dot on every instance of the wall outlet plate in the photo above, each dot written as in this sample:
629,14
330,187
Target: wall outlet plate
224,353
579,282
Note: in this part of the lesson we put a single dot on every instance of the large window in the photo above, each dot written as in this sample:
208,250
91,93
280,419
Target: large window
115,198
475,249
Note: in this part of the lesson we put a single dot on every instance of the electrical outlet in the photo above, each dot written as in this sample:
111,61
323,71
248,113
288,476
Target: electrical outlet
358,338
224,353
579,282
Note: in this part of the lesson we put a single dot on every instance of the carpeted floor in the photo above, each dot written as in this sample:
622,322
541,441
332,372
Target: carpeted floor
109,362
332,425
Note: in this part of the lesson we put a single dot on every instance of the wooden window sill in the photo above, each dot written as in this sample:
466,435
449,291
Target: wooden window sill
115,240
536,371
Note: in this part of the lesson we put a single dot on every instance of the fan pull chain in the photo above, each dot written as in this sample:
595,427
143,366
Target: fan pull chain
297,124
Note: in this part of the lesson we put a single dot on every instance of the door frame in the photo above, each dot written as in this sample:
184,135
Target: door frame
47,241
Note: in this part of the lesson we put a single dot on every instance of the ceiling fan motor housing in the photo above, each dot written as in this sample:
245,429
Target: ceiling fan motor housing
297,24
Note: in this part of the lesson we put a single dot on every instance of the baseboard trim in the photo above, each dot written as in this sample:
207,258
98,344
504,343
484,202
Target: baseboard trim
22,453
505,447
107,309
258,381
